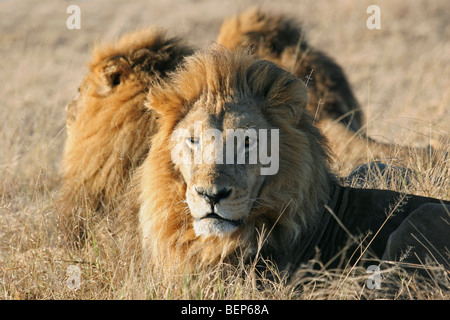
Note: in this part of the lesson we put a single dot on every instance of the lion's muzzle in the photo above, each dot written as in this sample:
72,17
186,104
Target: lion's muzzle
217,209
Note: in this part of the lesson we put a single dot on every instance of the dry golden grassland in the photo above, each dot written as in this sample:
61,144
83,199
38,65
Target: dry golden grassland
400,75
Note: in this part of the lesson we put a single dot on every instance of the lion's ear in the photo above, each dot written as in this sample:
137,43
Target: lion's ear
112,71
284,95
165,100
288,99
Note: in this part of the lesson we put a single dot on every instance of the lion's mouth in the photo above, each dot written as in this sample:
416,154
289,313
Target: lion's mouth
218,217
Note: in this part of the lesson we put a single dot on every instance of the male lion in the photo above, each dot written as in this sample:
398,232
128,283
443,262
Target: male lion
279,39
199,213
108,126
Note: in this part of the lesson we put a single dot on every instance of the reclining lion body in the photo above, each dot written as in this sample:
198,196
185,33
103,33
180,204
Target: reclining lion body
354,213
190,220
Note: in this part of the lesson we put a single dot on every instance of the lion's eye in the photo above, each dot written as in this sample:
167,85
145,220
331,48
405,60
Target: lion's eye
249,143
192,141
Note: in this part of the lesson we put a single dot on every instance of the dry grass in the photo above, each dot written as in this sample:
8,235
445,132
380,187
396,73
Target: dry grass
399,74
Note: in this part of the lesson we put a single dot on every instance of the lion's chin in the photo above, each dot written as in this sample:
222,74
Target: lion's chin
213,225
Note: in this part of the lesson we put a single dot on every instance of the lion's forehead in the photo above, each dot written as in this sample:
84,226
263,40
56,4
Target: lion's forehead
232,116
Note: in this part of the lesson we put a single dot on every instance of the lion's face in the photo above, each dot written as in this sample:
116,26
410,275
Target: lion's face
220,190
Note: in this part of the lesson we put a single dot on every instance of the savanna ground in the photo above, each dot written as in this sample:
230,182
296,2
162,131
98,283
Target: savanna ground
400,75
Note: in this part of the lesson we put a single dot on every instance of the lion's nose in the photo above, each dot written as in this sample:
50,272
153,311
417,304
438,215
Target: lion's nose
212,196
